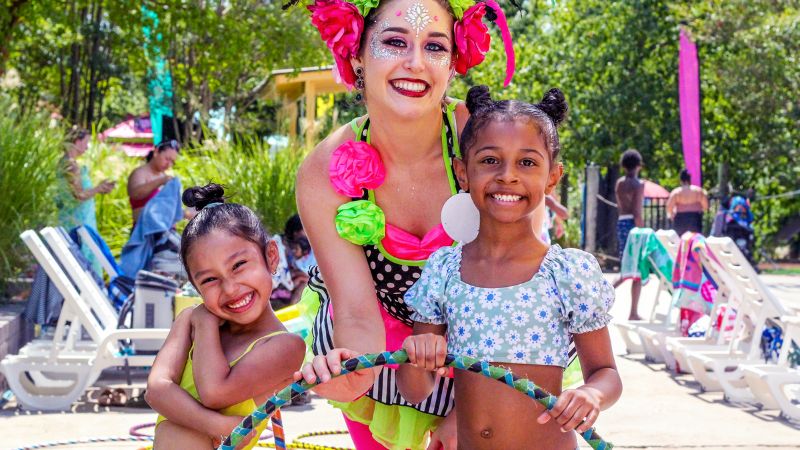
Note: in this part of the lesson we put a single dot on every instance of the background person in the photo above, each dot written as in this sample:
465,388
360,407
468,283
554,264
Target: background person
630,202
146,180
75,197
686,205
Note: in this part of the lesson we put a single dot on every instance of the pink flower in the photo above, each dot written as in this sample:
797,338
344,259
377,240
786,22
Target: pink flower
355,166
340,25
472,38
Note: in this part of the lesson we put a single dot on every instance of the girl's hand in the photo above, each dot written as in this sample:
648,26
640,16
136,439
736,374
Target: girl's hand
344,389
573,407
427,351
226,425
445,435
203,317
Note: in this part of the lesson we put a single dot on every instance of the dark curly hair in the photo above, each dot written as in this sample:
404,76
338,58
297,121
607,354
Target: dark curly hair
214,213
545,115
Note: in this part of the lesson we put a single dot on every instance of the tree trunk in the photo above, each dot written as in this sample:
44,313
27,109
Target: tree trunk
94,63
14,12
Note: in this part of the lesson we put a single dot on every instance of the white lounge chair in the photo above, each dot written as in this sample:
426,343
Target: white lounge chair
54,379
768,382
628,330
98,254
722,367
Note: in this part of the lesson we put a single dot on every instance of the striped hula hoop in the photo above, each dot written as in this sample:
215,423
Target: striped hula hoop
371,360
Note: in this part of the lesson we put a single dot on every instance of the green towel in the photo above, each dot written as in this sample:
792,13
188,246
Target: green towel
642,243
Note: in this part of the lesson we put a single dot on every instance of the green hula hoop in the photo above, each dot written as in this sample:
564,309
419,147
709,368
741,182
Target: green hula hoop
527,387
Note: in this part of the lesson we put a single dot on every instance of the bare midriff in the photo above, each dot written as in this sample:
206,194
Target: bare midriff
492,415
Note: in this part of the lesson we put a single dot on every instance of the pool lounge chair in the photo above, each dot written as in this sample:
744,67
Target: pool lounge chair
52,377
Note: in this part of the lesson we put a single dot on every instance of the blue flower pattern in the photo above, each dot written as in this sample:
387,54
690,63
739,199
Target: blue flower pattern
530,323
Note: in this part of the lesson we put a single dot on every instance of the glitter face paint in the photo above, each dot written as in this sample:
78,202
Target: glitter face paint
441,59
378,49
418,16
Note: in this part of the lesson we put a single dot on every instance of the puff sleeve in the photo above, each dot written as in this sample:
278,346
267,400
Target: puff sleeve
586,297
426,297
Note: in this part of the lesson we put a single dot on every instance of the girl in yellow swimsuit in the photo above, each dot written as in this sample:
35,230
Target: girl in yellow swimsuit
230,353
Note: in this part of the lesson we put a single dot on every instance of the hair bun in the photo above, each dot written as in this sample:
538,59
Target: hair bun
199,197
554,105
479,98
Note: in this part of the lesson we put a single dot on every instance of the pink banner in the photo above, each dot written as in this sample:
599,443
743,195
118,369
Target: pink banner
689,99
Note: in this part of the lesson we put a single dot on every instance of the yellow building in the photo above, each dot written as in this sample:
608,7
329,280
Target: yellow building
299,90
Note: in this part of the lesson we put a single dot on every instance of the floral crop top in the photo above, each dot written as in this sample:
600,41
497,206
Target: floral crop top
529,323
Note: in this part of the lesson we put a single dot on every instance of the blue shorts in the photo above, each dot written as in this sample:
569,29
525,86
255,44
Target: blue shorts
624,227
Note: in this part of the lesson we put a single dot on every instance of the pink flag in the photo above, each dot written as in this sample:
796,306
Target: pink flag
689,99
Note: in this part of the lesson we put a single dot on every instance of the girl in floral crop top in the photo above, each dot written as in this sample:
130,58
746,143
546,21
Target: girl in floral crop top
507,297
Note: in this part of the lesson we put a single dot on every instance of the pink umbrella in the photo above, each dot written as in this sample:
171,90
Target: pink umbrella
653,190
134,136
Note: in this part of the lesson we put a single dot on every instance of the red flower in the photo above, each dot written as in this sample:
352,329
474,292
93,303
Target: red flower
340,25
472,38
355,166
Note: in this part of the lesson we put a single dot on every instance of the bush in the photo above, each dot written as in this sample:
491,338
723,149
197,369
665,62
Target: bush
29,154
252,175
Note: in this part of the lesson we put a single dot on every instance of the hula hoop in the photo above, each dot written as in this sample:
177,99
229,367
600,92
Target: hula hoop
298,443
86,441
371,360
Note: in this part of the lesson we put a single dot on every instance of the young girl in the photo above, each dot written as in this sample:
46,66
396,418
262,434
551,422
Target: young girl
507,297
229,354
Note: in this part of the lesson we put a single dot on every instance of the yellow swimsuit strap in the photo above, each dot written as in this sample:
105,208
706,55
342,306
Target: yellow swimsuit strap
253,344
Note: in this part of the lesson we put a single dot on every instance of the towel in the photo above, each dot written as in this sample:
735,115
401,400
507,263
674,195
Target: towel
643,255
158,217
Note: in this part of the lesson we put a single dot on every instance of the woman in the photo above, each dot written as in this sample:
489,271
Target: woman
372,213
75,198
146,180
686,205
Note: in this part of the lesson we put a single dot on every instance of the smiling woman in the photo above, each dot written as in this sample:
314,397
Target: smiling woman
371,194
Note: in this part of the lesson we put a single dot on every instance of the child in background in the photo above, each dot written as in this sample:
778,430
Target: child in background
229,354
509,298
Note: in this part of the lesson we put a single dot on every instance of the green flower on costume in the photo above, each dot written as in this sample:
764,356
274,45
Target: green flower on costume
459,6
365,6
361,222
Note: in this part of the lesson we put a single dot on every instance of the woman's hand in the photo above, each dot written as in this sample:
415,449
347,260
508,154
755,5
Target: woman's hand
324,367
427,351
573,407
445,435
105,186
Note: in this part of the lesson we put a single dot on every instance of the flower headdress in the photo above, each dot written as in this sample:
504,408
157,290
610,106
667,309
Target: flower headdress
341,23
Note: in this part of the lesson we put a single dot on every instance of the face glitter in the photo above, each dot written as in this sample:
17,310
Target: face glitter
378,49
441,59
418,16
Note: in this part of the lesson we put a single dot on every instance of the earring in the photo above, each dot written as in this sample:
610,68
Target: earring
461,219
359,84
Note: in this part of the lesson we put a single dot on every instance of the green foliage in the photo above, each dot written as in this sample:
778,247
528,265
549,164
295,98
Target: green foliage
29,153
617,65
251,174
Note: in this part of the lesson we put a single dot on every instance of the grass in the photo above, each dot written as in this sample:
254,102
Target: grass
29,154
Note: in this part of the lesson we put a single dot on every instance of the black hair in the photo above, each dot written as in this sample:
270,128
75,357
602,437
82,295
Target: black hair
76,133
214,214
545,115
164,145
685,176
631,159
293,225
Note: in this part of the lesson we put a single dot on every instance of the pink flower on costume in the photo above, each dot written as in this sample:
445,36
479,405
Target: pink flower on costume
340,25
472,38
355,166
